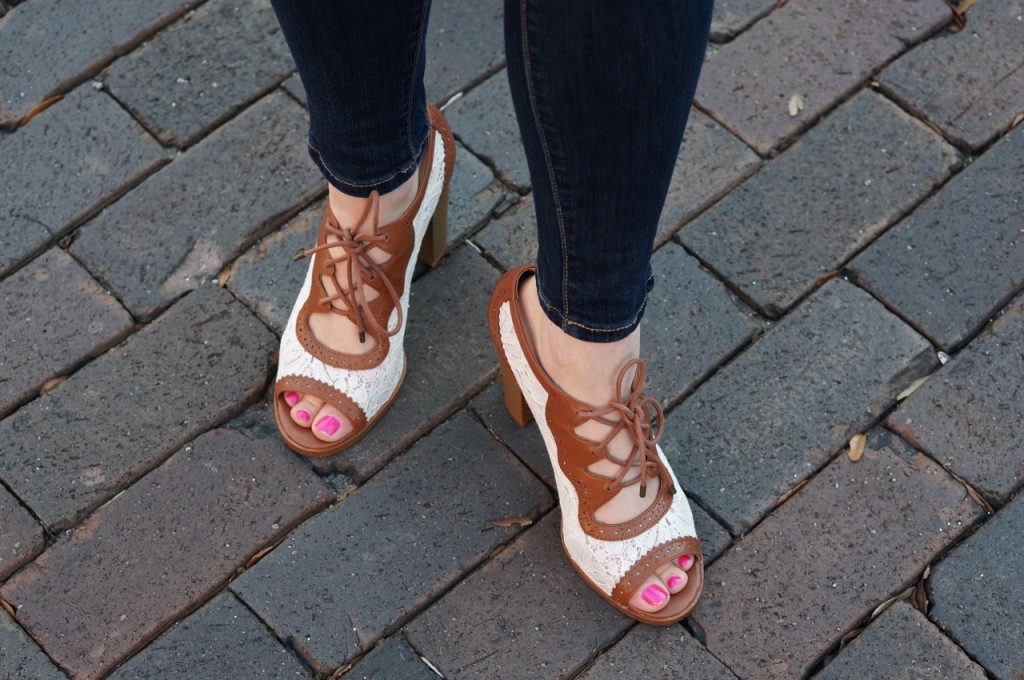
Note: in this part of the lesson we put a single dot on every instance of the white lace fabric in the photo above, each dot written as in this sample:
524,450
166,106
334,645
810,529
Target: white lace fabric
605,562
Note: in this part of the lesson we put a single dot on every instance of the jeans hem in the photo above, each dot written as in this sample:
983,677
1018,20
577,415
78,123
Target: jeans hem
362,189
590,332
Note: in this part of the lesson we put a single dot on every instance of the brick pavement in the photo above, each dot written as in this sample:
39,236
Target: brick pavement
813,270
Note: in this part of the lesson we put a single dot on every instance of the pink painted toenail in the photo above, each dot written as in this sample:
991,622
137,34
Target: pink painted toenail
654,595
685,562
328,425
302,415
292,398
674,581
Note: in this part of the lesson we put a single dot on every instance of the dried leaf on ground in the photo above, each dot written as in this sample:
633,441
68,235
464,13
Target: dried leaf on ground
225,273
796,105
39,108
51,384
258,556
857,443
7,607
511,521
888,603
786,496
913,388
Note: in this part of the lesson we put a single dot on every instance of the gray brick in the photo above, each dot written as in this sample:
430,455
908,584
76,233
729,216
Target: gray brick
748,84
56,317
902,645
969,83
960,256
854,536
186,221
66,164
362,568
449,358
711,162
527,444
474,194
222,640
882,162
691,325
293,86
21,537
142,561
485,122
790,401
512,238
464,42
525,614
977,593
392,659
734,16
20,657
266,278
201,71
115,419
966,416
49,46
649,652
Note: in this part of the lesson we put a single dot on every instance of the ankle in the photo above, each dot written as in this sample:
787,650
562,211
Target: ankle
348,210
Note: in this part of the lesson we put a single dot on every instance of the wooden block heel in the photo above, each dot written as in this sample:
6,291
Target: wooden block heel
515,402
435,242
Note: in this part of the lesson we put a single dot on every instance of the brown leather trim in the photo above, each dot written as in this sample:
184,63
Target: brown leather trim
575,454
646,566
400,244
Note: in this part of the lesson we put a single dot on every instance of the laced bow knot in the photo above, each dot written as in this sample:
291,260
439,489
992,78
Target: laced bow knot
635,414
358,267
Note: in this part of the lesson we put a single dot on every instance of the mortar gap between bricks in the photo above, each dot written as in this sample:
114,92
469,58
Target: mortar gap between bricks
471,84
750,307
508,449
596,654
118,51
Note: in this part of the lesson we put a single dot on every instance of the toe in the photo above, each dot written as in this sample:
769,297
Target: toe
673,576
330,425
304,408
651,596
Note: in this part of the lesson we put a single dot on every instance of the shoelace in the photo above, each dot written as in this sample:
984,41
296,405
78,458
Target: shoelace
358,267
636,420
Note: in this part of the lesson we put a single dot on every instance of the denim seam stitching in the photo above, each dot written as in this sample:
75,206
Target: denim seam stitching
547,158
323,164
550,308
412,77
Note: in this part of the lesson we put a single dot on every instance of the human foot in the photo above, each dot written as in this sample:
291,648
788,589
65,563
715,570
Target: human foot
626,526
588,372
341,353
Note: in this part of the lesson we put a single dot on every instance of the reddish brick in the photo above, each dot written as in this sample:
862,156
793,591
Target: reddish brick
49,46
465,41
748,84
969,83
902,645
185,222
856,534
649,652
361,569
180,96
121,415
968,414
959,257
222,640
20,657
21,536
143,561
711,162
977,593
525,614
66,164
691,325
790,401
734,16
56,317
881,163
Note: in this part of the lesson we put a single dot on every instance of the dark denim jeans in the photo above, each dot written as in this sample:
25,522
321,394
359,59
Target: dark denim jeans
601,89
